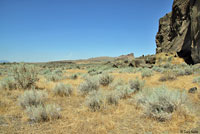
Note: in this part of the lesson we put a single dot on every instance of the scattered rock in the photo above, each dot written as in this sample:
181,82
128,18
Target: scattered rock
150,59
114,66
192,90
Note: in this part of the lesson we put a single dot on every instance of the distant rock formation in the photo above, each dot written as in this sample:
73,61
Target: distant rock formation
130,61
179,31
126,57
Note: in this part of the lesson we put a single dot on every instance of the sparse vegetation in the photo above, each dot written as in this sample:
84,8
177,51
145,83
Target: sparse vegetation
127,70
57,91
106,96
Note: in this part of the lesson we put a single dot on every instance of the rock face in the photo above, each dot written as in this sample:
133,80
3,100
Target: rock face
179,31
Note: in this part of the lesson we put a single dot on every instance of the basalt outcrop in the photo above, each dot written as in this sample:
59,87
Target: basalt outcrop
179,31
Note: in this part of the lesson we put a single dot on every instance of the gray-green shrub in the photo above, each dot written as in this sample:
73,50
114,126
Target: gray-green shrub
63,89
74,76
95,101
160,103
32,98
136,85
105,79
188,70
146,73
168,75
43,113
196,80
25,75
55,75
158,69
8,83
183,71
116,83
90,84
112,98
123,91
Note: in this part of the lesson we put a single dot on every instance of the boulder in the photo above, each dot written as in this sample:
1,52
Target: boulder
192,90
179,31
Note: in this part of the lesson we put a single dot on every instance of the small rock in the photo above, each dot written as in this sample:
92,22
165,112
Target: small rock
192,90
114,66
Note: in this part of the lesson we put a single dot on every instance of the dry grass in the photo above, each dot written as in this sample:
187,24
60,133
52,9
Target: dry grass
162,58
76,118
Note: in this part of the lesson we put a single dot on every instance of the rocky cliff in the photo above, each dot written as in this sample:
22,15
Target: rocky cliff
179,31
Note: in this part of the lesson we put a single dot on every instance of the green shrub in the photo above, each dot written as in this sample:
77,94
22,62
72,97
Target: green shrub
127,70
123,91
183,64
43,113
196,68
32,98
53,111
8,83
158,69
95,101
179,71
160,103
183,71
136,85
54,77
74,76
63,89
168,75
91,84
196,80
167,65
146,73
37,114
188,70
45,71
93,72
105,79
117,83
112,98
25,75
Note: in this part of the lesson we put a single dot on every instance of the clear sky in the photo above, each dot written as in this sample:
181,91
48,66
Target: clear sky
48,30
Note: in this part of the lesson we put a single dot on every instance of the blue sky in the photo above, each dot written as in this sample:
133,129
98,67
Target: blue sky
48,30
